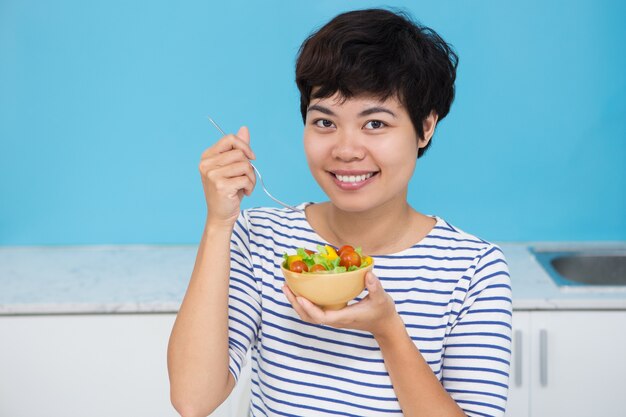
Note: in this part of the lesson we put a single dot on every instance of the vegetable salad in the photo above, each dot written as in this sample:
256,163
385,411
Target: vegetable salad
327,259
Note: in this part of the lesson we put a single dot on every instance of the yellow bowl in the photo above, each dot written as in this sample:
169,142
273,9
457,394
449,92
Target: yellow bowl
327,290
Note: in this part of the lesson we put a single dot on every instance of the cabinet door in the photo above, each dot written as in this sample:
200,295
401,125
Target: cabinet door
578,363
93,365
519,382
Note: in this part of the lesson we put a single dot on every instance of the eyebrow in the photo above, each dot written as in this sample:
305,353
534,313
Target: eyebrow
365,112
373,110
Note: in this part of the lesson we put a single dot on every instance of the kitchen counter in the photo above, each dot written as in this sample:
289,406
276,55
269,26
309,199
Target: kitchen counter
153,279
94,279
533,289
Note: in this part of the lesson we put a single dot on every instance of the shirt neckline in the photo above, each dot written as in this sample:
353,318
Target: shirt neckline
439,222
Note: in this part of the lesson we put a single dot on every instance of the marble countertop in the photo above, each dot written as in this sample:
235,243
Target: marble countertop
94,279
153,279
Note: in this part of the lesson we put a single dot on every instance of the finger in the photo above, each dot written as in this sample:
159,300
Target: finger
233,170
316,314
243,186
229,142
216,176
225,158
373,285
229,164
244,134
231,187
296,306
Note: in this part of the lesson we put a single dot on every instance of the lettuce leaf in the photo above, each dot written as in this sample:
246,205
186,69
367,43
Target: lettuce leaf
322,250
319,259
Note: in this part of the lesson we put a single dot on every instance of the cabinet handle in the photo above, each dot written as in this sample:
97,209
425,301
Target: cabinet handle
518,357
543,357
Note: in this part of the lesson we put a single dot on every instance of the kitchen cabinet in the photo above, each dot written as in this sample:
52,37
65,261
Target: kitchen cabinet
98,365
518,404
567,363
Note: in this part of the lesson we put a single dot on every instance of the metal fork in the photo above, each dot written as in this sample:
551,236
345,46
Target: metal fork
260,177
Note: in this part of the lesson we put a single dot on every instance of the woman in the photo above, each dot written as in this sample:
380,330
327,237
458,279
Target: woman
432,333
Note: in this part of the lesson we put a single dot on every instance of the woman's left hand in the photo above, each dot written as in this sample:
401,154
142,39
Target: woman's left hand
371,314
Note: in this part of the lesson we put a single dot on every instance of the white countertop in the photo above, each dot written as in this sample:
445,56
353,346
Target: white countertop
94,279
153,279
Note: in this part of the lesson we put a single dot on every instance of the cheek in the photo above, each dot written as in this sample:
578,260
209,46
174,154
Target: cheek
308,150
313,150
401,155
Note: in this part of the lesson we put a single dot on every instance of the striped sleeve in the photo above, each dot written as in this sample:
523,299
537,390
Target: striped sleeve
478,347
244,298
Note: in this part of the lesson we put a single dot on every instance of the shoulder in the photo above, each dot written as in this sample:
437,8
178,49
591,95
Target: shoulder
485,254
453,236
487,277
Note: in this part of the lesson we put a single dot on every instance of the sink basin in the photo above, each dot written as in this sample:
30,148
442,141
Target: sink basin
588,268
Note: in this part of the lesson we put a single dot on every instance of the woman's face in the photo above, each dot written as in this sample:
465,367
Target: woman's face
361,151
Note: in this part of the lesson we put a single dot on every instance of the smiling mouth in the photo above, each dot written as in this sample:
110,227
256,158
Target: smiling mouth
354,178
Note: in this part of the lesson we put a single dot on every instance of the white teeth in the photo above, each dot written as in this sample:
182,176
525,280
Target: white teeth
353,178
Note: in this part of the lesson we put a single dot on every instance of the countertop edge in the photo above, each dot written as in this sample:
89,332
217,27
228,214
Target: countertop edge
35,309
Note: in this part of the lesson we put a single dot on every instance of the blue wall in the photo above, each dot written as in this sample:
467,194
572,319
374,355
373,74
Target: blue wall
103,109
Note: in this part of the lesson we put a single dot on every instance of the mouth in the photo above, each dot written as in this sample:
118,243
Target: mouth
353,180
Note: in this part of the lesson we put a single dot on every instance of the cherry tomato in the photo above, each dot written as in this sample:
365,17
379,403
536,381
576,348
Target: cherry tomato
345,248
298,266
350,258
292,259
317,268
309,252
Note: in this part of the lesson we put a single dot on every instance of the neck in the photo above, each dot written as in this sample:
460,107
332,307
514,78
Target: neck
381,230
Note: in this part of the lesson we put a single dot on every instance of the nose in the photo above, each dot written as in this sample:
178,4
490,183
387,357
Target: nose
348,146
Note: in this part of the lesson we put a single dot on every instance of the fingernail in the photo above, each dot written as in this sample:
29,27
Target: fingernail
370,280
301,301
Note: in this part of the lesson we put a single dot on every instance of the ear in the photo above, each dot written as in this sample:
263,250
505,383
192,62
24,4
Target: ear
428,126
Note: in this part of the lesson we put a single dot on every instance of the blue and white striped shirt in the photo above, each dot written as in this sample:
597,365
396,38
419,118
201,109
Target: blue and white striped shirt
451,289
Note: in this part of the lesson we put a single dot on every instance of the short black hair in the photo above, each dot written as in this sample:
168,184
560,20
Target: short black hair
381,53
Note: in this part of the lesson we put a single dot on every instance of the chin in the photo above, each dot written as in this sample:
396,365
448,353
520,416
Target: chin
352,204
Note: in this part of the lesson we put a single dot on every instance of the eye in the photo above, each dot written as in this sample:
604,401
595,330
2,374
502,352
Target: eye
374,124
323,123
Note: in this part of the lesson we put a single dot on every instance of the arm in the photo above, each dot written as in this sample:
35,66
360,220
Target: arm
477,351
198,351
408,370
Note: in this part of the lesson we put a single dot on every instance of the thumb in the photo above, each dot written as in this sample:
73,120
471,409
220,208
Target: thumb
372,283
244,134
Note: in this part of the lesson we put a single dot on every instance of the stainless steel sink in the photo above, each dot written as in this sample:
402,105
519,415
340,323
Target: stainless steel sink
586,268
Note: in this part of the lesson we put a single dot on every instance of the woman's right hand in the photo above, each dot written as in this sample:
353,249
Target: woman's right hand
226,176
